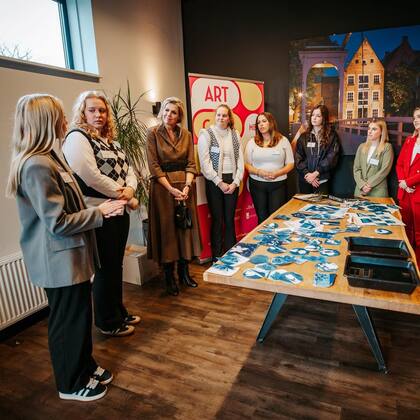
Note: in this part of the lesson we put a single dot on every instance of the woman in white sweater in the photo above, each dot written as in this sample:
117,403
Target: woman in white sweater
268,159
222,164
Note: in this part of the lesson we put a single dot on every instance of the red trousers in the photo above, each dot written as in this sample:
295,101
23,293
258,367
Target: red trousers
410,212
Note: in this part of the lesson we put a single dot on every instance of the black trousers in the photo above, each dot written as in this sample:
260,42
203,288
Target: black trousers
306,188
70,335
109,309
222,209
267,196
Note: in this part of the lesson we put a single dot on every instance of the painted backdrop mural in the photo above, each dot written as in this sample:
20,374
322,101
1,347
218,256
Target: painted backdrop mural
246,99
359,76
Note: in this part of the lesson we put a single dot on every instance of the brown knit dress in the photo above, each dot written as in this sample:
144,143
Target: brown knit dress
166,243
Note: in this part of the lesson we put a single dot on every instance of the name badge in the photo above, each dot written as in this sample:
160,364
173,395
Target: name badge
311,144
374,162
276,152
66,177
215,149
107,154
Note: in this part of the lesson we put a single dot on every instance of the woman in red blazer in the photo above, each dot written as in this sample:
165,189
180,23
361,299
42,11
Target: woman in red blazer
408,173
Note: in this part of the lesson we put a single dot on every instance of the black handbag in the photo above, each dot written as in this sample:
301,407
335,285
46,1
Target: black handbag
183,219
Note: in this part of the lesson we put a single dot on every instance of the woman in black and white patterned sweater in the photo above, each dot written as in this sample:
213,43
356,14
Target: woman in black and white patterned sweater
102,171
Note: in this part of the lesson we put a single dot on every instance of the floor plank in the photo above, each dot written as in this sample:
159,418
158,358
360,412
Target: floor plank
194,356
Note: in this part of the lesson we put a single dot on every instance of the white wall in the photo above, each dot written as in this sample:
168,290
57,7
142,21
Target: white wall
138,40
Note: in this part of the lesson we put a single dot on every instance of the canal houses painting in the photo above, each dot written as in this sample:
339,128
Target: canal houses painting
360,76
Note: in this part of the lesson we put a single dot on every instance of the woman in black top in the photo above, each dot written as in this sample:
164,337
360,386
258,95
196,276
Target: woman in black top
317,153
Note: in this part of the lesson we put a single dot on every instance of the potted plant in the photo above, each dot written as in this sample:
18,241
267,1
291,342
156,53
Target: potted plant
132,136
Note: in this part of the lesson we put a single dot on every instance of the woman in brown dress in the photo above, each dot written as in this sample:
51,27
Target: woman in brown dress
170,155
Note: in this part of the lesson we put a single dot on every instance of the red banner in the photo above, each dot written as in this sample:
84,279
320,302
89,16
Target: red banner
246,99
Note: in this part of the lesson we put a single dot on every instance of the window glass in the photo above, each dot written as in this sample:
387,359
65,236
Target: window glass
32,30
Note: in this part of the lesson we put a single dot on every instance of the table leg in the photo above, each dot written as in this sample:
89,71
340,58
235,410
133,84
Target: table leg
368,328
276,304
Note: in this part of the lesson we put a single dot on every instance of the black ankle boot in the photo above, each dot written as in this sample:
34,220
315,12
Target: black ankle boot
171,286
184,275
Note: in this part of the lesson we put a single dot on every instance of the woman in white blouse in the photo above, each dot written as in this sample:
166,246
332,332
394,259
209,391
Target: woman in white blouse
222,164
102,171
268,159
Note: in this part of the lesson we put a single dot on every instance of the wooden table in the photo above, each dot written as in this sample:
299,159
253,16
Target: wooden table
359,298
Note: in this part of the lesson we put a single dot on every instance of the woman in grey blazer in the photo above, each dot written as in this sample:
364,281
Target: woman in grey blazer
373,162
58,242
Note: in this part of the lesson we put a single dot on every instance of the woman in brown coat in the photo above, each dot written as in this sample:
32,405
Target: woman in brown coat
170,155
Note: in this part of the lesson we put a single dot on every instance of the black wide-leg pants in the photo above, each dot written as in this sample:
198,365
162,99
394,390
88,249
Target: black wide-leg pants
70,335
267,197
222,209
111,238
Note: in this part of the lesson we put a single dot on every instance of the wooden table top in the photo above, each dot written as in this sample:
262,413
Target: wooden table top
340,291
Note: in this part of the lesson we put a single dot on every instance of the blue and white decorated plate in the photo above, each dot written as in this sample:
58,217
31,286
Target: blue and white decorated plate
328,252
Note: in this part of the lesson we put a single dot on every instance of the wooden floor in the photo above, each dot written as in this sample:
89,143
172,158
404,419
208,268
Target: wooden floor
195,357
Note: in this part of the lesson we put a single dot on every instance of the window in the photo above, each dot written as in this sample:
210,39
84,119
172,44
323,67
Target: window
375,113
362,113
364,62
363,81
23,37
375,95
376,79
46,36
356,61
350,80
349,115
371,61
350,96
363,97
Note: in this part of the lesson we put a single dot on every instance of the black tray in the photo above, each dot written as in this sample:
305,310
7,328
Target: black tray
381,273
389,248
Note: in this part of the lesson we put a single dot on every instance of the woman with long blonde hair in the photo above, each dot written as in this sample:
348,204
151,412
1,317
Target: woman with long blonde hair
373,162
103,171
58,242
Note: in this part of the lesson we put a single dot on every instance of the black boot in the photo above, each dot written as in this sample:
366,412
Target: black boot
183,274
171,286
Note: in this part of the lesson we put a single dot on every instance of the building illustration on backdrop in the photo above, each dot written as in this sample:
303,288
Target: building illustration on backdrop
354,85
363,85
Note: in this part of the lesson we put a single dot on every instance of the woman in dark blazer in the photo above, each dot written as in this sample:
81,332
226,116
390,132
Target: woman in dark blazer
408,173
170,155
58,242
317,153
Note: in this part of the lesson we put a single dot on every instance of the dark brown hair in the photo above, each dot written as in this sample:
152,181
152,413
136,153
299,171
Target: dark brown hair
325,131
275,135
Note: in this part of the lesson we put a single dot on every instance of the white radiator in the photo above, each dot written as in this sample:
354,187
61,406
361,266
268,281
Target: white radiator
18,296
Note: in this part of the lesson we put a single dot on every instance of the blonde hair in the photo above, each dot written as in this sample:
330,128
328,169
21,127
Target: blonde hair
79,118
384,137
174,101
39,121
231,123
416,132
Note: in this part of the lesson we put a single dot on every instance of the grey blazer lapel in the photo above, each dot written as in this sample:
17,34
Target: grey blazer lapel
73,185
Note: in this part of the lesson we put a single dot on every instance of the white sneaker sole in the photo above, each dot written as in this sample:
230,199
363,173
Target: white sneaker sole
73,397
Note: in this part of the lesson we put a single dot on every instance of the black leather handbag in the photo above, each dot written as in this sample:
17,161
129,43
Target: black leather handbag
183,219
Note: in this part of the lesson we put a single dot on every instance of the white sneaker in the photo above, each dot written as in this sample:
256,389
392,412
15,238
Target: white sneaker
90,392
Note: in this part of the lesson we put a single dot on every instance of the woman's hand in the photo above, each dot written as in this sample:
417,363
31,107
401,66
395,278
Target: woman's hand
265,174
111,208
125,193
223,186
310,177
231,188
178,195
133,204
366,189
186,191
